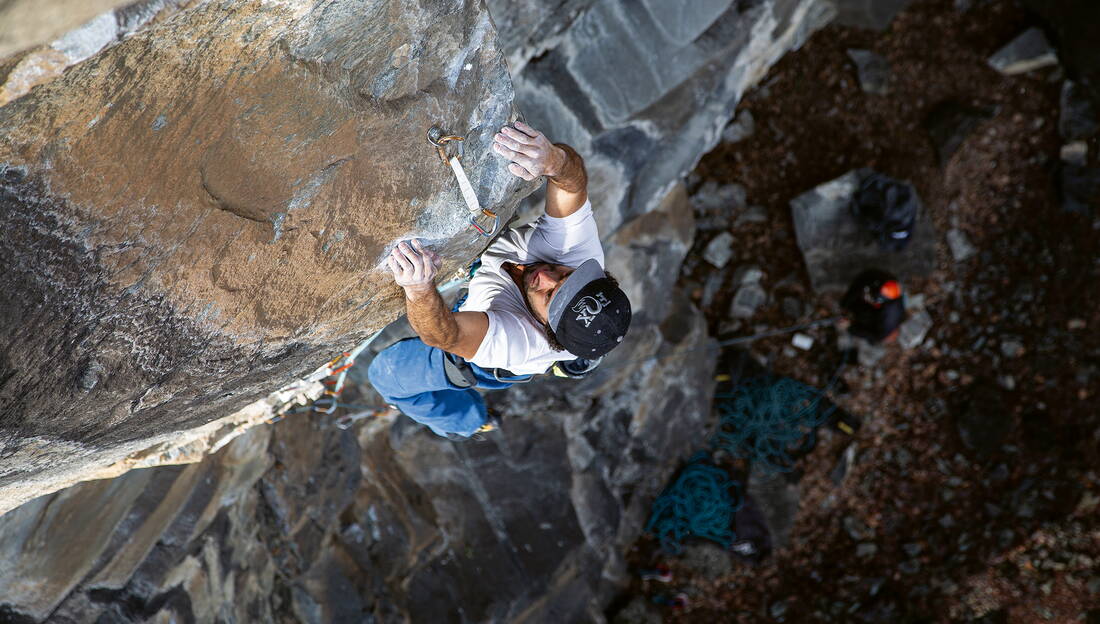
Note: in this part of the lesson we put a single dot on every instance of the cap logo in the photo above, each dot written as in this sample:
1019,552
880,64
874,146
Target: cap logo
589,306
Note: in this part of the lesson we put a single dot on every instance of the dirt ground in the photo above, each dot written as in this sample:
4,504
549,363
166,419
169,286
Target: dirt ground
1005,528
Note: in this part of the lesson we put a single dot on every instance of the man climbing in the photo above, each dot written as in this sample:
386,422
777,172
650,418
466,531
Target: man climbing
540,297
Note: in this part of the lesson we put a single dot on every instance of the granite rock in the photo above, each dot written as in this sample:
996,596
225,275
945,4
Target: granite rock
245,192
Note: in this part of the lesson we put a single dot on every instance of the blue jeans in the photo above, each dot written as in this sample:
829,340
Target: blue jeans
410,375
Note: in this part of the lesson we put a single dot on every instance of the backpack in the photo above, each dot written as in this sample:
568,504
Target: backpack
887,208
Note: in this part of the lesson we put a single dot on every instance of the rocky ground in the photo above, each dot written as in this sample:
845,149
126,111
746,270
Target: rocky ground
971,491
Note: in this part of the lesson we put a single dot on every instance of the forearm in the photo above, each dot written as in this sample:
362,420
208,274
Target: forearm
567,188
430,318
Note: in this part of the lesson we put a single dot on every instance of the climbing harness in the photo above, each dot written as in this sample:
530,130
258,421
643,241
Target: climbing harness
700,503
440,141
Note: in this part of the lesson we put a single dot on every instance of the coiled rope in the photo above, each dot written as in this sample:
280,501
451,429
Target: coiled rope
700,503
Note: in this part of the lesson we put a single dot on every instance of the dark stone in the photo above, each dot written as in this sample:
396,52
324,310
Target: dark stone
1077,118
951,122
873,71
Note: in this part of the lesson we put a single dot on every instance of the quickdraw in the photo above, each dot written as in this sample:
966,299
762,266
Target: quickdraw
441,141
332,376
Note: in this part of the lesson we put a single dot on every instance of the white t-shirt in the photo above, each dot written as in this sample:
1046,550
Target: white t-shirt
516,340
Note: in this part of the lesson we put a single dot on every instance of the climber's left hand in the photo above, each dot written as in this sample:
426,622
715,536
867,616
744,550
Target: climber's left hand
414,266
531,153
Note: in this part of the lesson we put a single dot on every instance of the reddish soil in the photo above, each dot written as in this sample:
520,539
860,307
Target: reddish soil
1006,535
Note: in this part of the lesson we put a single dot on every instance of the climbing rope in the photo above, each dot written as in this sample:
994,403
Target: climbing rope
440,141
700,503
770,421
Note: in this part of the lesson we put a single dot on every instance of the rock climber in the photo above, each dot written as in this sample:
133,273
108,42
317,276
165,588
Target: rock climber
541,297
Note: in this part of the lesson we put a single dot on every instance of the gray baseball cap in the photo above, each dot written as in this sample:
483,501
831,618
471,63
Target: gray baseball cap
589,313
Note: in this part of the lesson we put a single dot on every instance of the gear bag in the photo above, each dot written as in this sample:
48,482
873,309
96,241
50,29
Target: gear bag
887,208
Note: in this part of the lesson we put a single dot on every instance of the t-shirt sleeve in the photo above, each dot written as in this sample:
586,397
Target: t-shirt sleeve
567,240
510,342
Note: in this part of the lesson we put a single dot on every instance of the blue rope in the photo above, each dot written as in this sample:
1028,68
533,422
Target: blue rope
769,421
700,503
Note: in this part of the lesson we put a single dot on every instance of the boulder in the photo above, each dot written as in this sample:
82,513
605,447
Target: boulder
206,226
836,248
1027,52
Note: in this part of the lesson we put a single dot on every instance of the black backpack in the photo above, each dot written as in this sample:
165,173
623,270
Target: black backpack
887,208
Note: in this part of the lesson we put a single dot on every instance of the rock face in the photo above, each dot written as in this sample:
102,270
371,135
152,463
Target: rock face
303,521
194,217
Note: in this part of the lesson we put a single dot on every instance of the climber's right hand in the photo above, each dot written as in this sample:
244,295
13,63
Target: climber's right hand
414,267
531,153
